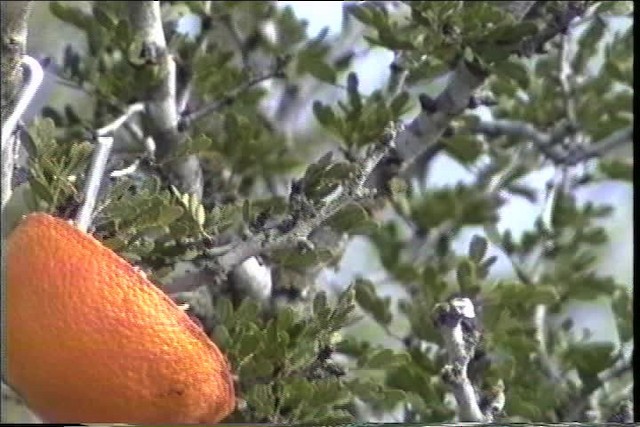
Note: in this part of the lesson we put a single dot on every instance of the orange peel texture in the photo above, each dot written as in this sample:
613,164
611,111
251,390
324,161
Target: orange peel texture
90,340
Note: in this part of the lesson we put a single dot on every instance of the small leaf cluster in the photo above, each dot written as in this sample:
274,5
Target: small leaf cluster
361,119
54,167
284,362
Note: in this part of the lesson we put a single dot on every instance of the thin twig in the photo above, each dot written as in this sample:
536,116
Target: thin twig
548,143
352,191
597,149
227,99
531,277
541,140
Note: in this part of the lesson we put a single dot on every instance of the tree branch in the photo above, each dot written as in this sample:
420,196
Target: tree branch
549,143
161,103
14,16
436,115
228,99
597,149
273,239
456,323
14,38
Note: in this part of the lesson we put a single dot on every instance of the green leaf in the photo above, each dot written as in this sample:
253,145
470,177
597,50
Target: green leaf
222,335
70,14
514,70
511,33
362,13
385,359
590,358
614,7
248,345
616,169
262,400
104,18
324,114
355,100
320,304
334,417
588,43
295,260
399,104
622,305
321,71
368,300
169,214
512,294
349,218
485,266
41,191
477,248
588,287
464,148
466,274
410,378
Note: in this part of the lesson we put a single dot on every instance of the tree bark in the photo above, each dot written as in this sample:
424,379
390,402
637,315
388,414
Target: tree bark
161,103
14,39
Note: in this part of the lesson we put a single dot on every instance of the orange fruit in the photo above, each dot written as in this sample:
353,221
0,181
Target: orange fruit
91,340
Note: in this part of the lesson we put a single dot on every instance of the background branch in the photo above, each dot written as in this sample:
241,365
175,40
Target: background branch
460,344
427,128
161,104
353,191
14,16
549,143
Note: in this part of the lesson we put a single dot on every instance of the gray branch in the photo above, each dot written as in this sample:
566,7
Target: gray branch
14,16
161,114
351,192
14,38
453,320
549,142
426,129
228,99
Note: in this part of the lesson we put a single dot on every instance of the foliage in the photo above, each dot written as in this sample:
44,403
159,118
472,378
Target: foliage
298,362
